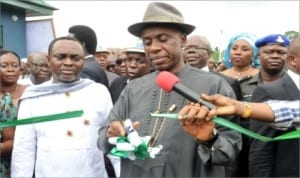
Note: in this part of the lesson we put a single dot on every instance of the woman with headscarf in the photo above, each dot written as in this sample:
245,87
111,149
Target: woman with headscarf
10,92
240,57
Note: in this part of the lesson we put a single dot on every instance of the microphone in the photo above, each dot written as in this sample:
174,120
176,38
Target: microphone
169,82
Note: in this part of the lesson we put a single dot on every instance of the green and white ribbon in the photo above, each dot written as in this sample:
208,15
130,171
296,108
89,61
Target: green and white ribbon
45,118
221,121
133,146
125,149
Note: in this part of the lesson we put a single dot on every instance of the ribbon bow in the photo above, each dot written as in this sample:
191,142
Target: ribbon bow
133,146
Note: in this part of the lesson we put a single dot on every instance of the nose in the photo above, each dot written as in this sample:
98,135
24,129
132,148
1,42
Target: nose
45,68
237,51
155,46
133,64
68,61
191,50
122,64
11,68
275,54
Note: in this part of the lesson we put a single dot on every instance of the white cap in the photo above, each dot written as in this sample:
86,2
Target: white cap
134,50
100,49
24,60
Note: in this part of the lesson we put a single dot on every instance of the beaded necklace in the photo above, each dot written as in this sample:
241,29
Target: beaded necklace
155,135
240,75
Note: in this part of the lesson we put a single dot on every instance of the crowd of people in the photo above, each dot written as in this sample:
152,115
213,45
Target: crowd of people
256,86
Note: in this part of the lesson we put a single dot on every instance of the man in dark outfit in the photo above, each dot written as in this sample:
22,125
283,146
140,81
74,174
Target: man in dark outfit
88,38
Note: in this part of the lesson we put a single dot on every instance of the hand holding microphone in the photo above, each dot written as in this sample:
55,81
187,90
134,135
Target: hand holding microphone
191,116
169,82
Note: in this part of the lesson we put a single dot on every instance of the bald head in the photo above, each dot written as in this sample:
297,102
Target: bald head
294,47
200,40
38,67
197,51
293,59
35,57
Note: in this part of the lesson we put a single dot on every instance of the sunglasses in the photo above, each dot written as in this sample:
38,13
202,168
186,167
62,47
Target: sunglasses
111,66
119,61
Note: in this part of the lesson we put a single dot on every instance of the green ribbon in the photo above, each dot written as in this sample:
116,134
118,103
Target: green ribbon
116,152
140,152
38,119
221,121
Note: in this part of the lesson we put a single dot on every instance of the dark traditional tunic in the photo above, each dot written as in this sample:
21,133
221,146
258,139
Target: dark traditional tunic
182,155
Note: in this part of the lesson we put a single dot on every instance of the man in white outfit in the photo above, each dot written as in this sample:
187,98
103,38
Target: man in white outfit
64,148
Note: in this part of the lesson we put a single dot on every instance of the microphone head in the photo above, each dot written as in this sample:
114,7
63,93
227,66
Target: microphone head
167,80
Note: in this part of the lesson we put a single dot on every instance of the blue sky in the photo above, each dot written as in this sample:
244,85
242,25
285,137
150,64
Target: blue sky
110,19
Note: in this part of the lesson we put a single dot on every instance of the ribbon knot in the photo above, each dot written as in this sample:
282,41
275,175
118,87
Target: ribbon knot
133,146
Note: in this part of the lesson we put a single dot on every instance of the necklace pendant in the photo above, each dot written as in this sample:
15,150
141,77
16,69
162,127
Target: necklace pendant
172,108
157,112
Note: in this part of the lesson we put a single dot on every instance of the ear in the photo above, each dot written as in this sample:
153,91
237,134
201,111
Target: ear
291,60
83,44
258,53
28,65
84,48
48,58
183,39
209,53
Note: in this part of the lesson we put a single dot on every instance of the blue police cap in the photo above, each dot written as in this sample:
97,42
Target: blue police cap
272,39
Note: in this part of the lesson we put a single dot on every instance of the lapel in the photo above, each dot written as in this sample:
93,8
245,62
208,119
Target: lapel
290,87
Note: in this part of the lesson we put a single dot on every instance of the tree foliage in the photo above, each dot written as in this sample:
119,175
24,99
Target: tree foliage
217,55
291,34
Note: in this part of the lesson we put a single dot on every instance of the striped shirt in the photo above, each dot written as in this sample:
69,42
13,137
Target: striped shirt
286,113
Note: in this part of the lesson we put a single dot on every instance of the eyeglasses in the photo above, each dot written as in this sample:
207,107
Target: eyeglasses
186,48
40,65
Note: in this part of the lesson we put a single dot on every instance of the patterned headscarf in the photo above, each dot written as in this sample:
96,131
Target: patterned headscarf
250,38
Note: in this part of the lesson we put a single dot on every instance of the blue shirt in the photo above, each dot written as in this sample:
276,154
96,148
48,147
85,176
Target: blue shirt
286,113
